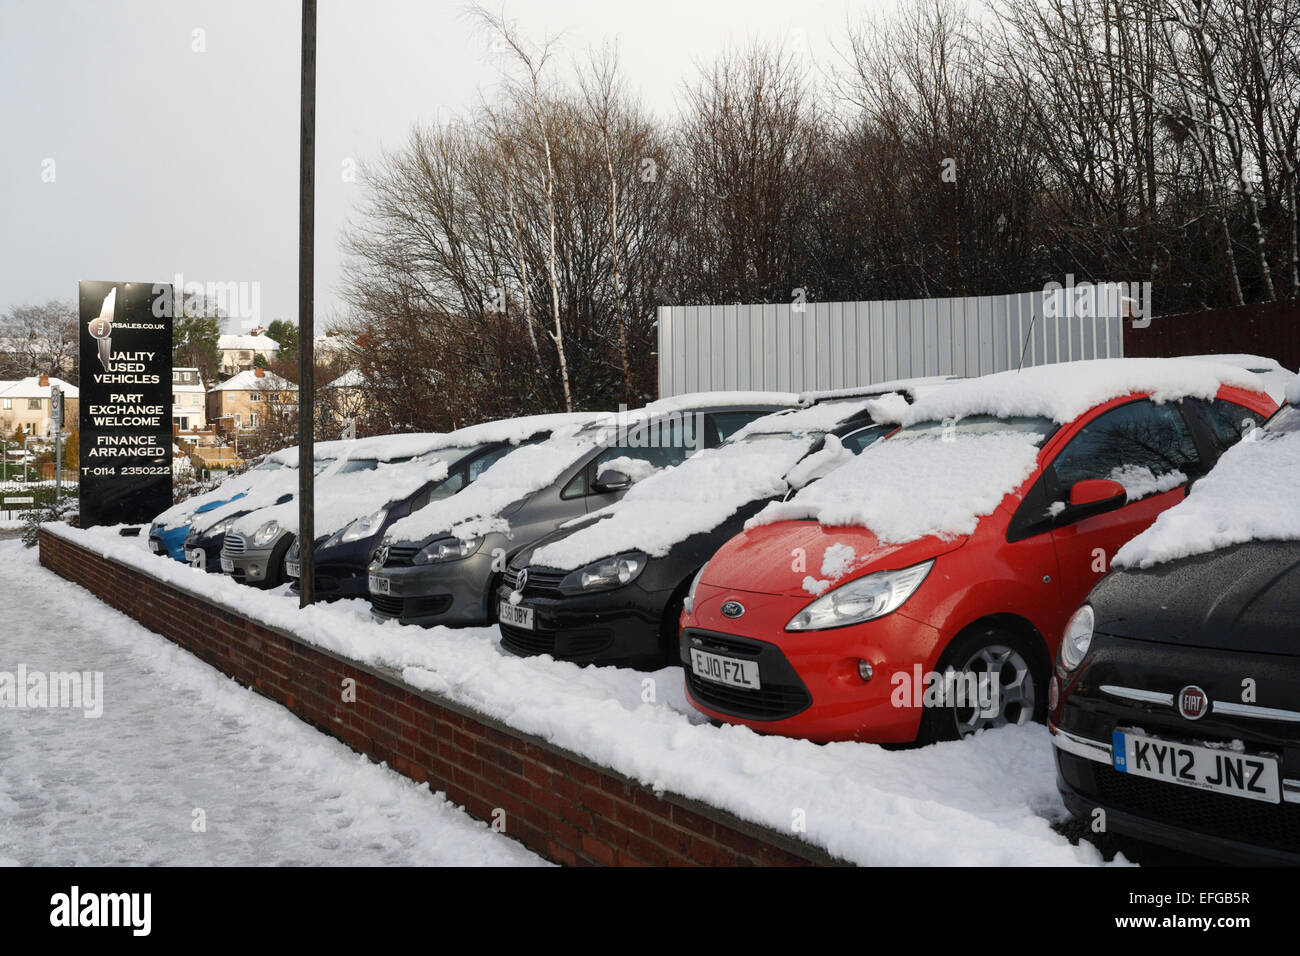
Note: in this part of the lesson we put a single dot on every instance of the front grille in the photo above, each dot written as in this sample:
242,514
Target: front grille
1214,814
384,604
782,694
562,644
411,606
401,555
544,582
234,544
526,643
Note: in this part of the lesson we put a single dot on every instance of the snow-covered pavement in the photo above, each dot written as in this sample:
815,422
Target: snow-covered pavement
179,745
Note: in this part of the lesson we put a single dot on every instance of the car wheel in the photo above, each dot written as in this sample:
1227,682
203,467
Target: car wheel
669,635
275,566
998,678
490,606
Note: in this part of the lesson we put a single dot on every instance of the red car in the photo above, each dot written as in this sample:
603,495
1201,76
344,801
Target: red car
920,592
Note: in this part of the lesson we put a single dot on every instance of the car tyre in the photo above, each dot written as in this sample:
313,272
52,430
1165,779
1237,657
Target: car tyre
1020,670
275,566
669,628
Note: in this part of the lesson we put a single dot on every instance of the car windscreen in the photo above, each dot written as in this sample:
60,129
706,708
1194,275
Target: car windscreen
980,425
357,464
450,455
1286,419
751,437
322,464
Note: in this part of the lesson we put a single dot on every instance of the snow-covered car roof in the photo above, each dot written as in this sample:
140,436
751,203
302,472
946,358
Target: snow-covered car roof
321,451
913,387
1065,390
388,447
515,430
820,418
1247,496
1276,377
696,400
708,488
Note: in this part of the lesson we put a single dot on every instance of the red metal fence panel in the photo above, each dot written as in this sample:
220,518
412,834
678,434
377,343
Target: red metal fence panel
1266,328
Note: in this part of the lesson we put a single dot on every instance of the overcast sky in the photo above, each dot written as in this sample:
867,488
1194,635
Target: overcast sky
135,148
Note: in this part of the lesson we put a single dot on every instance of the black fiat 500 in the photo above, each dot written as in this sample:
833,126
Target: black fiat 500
1175,705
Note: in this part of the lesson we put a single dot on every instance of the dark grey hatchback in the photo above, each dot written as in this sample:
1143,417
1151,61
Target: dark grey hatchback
1175,705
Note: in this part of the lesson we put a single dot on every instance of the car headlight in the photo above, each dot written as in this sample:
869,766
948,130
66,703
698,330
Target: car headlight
221,527
1077,638
448,549
266,534
364,527
605,574
872,596
689,604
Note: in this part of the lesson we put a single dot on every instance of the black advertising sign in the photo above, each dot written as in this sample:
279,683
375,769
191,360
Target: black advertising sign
125,446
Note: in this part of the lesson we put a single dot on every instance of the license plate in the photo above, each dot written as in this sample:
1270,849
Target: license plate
227,564
197,557
291,568
156,546
380,585
725,670
516,615
1230,772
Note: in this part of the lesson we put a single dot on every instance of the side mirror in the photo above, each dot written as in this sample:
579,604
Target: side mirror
1093,496
613,480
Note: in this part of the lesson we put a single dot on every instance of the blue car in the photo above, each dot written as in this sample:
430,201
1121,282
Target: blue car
168,531
171,541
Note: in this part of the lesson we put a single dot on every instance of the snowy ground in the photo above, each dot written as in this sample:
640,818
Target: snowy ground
989,800
175,737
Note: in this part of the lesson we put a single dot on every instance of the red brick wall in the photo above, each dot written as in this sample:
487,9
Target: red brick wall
555,802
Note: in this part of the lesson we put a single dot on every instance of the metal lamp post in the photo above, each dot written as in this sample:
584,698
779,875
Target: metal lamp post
306,305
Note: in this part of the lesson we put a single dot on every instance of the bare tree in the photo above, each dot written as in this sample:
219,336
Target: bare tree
601,91
39,339
534,64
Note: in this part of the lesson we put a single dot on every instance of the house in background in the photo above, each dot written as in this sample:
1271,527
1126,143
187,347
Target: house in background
189,402
240,352
25,404
342,399
252,398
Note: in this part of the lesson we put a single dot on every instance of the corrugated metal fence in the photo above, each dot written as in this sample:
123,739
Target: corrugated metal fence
838,344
